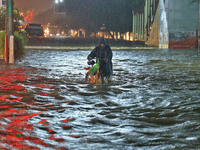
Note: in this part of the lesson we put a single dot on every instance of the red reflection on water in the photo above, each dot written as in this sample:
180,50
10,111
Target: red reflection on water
60,140
14,124
74,136
43,122
66,119
44,86
15,128
9,80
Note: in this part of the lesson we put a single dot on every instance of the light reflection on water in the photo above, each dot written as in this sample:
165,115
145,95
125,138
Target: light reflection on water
152,102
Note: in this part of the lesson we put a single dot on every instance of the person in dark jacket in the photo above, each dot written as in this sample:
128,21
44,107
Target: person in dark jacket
104,53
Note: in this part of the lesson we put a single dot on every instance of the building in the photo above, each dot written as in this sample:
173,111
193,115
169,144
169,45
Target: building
167,24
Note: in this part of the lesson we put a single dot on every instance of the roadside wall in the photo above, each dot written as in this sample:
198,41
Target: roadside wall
183,23
167,24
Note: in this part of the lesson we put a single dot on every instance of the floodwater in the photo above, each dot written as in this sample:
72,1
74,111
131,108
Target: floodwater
152,103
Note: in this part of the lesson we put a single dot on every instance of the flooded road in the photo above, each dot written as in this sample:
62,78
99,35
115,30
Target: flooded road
152,102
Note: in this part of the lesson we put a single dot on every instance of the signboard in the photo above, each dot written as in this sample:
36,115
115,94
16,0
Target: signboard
3,3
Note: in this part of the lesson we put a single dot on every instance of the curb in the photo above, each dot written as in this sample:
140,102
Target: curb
84,48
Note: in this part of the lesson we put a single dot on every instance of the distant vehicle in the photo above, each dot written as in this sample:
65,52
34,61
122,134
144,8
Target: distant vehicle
34,30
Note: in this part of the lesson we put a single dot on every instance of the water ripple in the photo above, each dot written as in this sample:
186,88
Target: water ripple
152,102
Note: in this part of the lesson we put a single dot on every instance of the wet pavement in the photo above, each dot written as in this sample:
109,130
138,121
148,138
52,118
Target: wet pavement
152,102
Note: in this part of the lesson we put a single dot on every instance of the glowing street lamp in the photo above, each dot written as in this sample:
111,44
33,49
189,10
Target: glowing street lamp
59,6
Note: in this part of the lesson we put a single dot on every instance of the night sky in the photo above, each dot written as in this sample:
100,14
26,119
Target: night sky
37,5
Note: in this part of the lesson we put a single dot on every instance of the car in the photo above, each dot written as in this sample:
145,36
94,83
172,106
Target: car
34,30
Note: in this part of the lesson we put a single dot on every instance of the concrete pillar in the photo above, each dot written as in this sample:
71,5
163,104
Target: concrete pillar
151,9
163,26
133,26
145,21
142,21
199,30
9,48
148,14
139,31
137,27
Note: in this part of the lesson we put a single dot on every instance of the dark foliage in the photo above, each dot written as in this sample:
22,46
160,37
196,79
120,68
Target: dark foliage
16,17
20,41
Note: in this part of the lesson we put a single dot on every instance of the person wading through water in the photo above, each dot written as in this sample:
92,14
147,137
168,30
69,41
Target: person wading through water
104,53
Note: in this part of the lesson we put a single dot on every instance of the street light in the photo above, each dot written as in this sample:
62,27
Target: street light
59,6
58,1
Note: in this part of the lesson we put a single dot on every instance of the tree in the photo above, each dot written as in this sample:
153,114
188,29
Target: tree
16,16
2,18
